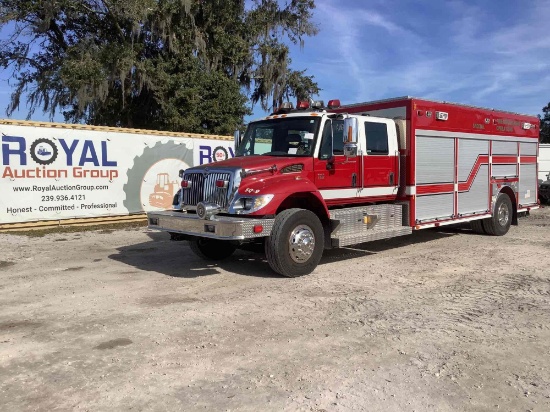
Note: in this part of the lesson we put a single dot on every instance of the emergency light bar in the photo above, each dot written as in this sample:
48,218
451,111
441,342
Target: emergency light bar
287,107
318,104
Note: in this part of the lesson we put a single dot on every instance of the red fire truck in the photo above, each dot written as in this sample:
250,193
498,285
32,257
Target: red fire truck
314,178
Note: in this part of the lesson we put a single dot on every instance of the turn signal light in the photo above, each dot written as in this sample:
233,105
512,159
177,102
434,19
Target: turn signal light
258,228
222,184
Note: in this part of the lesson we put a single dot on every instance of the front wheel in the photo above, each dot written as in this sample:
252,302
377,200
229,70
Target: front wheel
212,249
499,223
296,243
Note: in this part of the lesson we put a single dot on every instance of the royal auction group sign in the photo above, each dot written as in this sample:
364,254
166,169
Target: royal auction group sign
51,173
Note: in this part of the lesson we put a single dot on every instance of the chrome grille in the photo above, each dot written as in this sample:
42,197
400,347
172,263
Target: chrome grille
203,189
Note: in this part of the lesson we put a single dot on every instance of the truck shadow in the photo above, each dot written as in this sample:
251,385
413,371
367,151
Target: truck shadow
176,259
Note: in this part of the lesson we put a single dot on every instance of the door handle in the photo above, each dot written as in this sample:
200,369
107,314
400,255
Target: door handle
392,179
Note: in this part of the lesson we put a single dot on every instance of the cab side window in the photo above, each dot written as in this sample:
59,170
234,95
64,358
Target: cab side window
338,137
377,138
332,139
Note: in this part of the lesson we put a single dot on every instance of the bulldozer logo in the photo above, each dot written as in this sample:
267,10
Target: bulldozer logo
43,151
163,192
152,180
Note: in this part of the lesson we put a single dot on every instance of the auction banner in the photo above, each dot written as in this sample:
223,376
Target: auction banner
54,173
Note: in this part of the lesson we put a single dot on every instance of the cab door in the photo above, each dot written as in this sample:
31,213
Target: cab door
335,176
381,167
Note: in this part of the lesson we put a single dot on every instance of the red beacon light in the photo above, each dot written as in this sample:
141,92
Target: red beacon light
334,104
302,105
185,184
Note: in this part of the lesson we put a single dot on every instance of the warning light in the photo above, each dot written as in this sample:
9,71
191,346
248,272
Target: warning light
334,104
222,184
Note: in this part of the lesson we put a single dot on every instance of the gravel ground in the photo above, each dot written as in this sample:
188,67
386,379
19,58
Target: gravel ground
441,320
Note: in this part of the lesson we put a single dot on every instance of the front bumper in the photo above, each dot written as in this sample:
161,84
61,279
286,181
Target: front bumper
222,227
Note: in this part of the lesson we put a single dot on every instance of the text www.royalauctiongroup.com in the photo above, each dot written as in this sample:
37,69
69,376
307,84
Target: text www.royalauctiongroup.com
55,188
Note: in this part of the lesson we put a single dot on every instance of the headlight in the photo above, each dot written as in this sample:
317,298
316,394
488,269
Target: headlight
249,204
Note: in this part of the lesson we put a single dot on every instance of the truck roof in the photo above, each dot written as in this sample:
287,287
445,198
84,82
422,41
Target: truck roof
411,98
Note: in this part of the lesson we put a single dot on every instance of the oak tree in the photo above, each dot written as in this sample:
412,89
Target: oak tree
184,65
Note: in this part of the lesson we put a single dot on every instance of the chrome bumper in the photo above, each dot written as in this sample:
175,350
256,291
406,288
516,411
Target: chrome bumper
223,227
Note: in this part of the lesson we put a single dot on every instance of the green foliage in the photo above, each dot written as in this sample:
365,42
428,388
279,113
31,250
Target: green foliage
545,124
181,65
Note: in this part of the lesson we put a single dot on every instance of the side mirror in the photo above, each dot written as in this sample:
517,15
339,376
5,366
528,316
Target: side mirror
181,172
351,130
237,138
351,133
330,163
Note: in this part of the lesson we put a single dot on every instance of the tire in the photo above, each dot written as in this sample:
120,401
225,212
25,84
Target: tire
296,243
212,249
477,227
499,223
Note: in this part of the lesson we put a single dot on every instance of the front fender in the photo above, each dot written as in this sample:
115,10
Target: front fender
292,191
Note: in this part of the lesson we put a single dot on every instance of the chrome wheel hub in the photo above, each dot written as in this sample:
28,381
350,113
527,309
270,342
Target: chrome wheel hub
301,243
503,214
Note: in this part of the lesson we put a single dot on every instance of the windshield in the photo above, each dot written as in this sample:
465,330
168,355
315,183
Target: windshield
293,136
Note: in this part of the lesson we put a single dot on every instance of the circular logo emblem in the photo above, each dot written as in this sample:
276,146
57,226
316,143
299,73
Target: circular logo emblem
201,210
43,151
219,154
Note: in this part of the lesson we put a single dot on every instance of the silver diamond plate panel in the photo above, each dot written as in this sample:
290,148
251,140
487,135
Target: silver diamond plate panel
369,237
351,219
222,227
353,230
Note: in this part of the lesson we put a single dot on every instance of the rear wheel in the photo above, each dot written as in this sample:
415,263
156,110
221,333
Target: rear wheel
477,227
499,223
296,243
212,249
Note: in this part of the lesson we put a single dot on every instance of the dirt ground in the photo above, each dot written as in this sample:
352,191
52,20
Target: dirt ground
442,320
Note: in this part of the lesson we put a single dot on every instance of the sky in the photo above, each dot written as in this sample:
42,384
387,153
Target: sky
484,53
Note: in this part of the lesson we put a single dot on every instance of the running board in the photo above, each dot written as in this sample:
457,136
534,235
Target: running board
367,223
